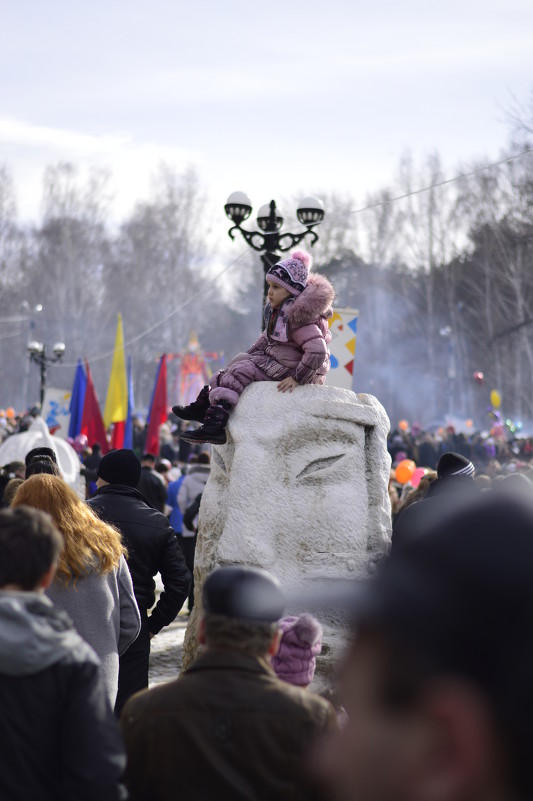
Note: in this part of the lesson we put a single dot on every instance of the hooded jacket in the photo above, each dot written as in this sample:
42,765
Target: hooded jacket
192,486
297,343
59,736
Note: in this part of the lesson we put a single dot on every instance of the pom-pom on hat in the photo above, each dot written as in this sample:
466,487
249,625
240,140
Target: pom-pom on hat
292,273
301,642
454,465
120,467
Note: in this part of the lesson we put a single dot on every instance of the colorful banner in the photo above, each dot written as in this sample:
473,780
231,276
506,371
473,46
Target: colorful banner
56,411
343,327
92,424
116,405
77,401
158,411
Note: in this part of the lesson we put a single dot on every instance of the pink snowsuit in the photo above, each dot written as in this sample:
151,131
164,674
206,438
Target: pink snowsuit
297,346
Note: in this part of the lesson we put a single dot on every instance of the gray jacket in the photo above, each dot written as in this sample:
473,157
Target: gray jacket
193,484
105,613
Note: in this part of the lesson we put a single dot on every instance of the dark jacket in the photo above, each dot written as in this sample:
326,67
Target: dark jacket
227,728
152,548
444,497
60,740
152,488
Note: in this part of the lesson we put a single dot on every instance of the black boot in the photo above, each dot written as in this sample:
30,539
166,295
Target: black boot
214,427
196,410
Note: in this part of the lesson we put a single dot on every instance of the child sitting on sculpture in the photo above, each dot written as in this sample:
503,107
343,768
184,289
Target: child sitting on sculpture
293,348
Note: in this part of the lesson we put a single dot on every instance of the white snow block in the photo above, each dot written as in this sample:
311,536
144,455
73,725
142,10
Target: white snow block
15,448
299,489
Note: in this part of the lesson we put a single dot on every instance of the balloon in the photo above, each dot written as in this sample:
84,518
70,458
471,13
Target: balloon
478,377
495,399
469,423
10,413
417,476
403,425
405,471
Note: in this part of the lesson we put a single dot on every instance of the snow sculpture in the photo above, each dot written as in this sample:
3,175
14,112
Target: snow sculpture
15,448
299,489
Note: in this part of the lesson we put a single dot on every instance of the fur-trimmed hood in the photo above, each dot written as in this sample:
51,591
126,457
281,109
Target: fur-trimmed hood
315,301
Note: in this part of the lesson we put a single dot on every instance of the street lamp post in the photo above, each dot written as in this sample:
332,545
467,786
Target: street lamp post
37,353
447,333
269,241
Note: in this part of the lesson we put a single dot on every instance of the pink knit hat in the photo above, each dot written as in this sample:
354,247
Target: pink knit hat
291,273
301,642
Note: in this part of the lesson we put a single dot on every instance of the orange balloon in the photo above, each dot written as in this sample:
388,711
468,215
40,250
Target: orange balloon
405,471
10,413
469,423
403,425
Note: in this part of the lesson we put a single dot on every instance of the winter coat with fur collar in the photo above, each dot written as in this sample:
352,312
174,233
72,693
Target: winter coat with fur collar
297,342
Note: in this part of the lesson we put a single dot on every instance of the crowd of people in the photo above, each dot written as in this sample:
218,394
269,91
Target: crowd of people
432,696
430,702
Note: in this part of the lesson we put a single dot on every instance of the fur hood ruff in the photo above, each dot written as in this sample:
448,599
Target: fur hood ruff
315,301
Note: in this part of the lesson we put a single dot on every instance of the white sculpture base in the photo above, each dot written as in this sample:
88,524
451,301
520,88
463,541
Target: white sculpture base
299,489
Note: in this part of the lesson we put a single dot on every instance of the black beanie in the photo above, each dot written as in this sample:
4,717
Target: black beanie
120,467
453,464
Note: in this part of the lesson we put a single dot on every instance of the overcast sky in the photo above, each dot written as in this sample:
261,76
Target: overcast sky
270,98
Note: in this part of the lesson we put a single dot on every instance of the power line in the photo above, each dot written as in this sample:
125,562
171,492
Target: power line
168,316
436,185
377,204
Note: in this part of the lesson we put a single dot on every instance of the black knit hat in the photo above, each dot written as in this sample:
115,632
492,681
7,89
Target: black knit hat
453,465
245,593
120,467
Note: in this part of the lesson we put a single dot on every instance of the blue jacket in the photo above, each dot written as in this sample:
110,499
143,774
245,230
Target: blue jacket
176,517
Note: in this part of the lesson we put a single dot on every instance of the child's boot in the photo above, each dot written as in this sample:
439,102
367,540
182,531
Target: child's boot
197,410
214,427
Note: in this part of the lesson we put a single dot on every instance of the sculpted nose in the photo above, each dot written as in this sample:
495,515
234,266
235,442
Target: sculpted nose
248,533
246,539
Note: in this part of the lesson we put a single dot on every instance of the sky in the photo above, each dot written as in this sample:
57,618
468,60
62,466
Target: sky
271,99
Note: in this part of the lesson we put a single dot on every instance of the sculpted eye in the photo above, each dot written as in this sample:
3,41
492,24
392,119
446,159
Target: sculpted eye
319,464
219,461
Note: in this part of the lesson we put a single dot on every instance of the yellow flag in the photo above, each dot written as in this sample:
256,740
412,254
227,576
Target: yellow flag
116,405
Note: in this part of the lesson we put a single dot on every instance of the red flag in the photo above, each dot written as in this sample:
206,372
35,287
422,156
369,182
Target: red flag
92,424
158,408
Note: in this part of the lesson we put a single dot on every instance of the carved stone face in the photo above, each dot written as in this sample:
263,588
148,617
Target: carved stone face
301,487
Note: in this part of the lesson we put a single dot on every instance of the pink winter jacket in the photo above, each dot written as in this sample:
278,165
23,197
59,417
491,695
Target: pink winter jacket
298,345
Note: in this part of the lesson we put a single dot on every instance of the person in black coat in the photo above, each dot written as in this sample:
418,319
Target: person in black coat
60,739
151,485
454,486
152,548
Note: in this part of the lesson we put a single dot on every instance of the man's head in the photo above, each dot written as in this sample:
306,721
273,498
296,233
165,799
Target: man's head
39,453
119,467
148,460
438,685
453,466
42,465
16,469
242,608
203,458
30,546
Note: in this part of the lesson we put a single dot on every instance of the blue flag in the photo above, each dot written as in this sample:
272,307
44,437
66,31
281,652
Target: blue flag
77,401
128,430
